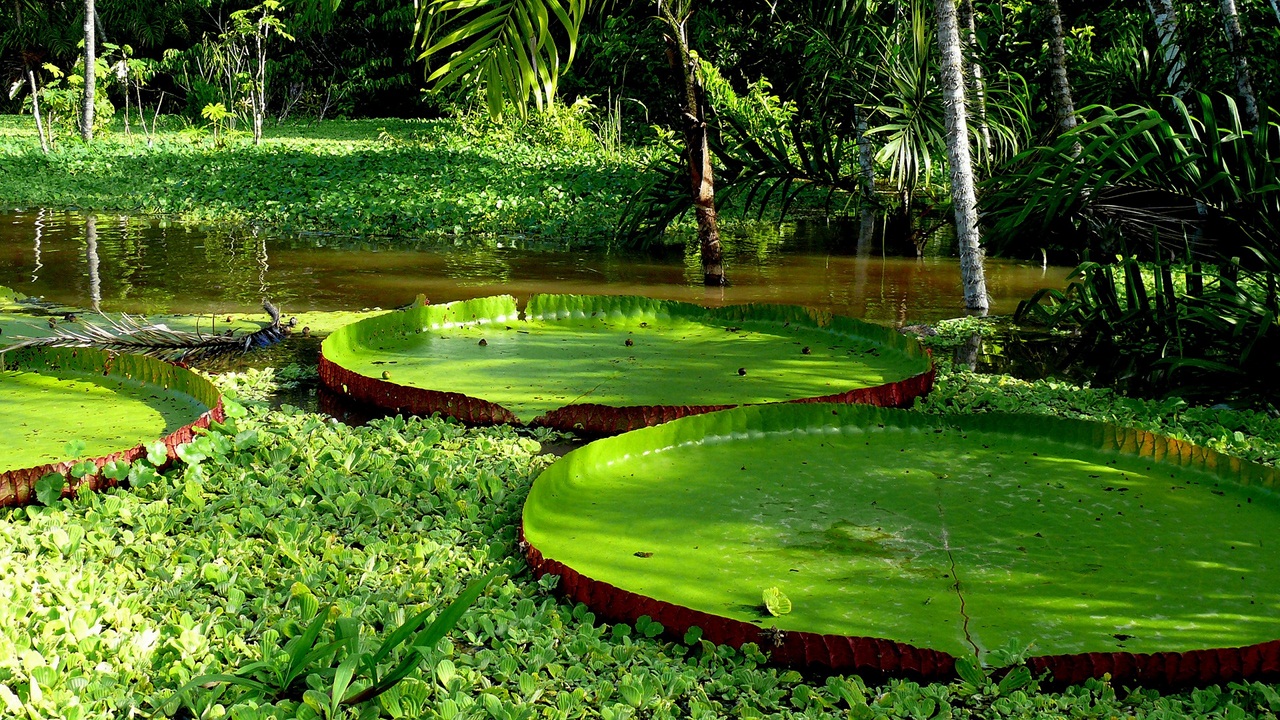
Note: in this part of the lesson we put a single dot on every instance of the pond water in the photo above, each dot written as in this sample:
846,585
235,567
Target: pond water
142,264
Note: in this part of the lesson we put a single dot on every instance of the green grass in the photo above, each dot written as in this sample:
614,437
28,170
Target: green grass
548,177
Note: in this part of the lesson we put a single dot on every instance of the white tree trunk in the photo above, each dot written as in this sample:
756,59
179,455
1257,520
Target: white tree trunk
1235,40
259,94
977,85
1064,105
90,89
1166,17
962,186
35,110
1275,5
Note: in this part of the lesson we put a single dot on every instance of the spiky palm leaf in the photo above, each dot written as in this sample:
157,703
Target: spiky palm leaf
130,335
509,46
912,116
1148,173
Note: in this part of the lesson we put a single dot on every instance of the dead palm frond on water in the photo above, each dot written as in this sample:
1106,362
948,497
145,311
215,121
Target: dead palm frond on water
136,336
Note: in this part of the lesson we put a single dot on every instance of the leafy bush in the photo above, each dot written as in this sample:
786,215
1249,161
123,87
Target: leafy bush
1206,336
1145,173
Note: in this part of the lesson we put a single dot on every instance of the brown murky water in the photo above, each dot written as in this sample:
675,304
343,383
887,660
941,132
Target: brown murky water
147,265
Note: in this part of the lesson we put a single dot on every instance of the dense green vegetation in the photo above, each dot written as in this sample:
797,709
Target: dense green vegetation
1135,138
546,176
116,599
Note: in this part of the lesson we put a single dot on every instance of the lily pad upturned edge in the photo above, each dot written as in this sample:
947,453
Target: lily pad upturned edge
591,418
880,657
17,486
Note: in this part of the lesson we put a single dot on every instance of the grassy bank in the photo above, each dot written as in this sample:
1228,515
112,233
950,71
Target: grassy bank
548,177
115,600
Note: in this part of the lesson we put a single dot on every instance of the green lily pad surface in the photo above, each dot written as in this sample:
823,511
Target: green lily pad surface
955,534
621,352
49,398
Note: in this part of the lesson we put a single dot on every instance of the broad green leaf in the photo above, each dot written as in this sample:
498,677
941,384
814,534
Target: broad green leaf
49,488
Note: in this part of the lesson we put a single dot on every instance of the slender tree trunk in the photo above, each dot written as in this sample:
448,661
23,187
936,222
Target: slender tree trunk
1166,18
35,110
963,195
977,85
90,89
1064,106
701,178
866,160
1235,40
260,87
1275,6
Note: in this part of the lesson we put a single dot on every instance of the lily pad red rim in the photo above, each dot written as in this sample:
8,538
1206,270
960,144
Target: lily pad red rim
593,419
17,486
881,657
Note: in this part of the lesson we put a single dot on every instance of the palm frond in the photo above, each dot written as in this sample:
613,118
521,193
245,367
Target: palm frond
508,46
131,335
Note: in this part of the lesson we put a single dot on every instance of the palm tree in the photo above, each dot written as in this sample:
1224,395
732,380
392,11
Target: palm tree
1165,14
86,112
969,28
1235,41
960,159
1064,106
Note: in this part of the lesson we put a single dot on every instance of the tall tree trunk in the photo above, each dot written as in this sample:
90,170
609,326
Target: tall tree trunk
697,149
1235,40
90,82
866,160
35,110
963,196
977,86
1064,106
1275,5
1166,17
259,93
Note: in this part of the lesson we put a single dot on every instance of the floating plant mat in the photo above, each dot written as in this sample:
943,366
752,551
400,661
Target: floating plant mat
608,353
950,534
52,397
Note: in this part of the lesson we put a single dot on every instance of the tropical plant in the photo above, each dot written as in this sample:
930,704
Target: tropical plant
507,46
1191,174
911,113
1206,336
330,674
255,26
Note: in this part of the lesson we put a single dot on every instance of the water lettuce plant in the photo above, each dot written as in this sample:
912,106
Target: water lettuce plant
113,601
385,177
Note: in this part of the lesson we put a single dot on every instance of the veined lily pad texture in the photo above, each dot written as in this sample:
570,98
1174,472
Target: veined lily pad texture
605,364
904,541
50,397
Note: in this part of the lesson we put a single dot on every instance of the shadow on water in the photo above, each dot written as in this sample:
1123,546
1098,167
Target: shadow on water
151,265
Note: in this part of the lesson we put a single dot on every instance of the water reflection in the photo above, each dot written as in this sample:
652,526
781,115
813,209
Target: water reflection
147,265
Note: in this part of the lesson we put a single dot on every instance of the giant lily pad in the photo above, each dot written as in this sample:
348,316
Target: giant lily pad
106,407
904,541
607,364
